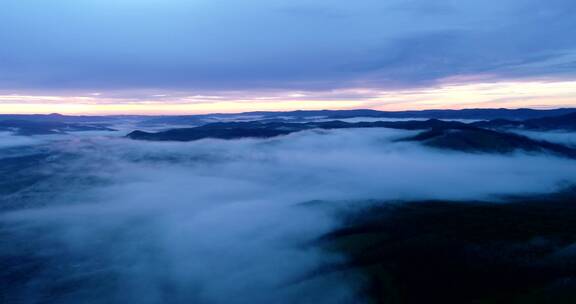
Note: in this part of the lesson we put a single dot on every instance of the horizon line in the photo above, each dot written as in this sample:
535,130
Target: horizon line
290,111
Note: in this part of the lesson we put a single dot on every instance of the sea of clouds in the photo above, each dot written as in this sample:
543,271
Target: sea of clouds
113,220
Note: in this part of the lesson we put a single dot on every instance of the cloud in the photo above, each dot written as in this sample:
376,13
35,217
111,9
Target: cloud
216,221
473,91
565,138
8,140
287,45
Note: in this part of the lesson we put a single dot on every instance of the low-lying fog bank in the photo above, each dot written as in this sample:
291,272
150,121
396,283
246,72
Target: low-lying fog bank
566,138
100,219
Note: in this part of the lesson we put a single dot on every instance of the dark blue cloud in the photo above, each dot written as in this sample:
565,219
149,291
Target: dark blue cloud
308,45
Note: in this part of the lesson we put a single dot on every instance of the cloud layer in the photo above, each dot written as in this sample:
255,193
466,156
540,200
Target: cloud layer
223,45
214,221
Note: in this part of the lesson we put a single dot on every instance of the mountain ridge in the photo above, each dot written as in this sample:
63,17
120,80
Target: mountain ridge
435,133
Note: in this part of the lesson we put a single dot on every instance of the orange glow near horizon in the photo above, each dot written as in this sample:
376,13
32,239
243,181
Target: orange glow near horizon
166,108
532,94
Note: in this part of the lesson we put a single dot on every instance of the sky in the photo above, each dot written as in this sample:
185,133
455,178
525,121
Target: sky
202,56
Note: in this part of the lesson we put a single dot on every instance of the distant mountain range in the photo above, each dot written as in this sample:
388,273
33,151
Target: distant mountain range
476,114
55,117
32,127
564,122
472,136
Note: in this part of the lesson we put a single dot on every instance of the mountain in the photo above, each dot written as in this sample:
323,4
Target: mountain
26,127
484,114
565,122
191,134
436,133
300,115
479,140
235,130
75,119
512,114
519,251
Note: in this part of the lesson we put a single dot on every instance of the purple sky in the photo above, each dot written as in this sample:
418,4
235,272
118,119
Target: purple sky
226,55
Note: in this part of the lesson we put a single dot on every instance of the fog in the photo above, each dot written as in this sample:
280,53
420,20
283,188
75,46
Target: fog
561,137
214,221
7,140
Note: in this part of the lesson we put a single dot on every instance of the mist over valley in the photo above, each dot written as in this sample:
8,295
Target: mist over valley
303,214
